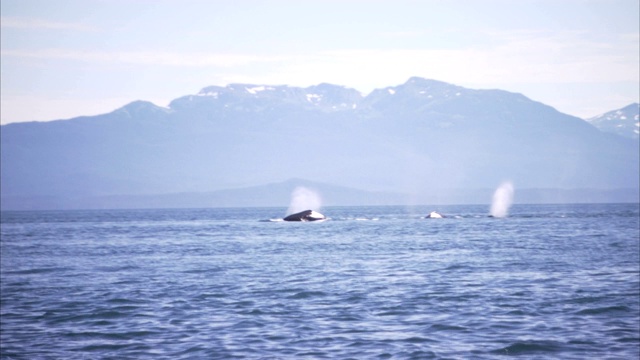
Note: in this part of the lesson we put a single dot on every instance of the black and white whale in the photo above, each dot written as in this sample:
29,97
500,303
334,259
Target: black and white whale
434,215
307,215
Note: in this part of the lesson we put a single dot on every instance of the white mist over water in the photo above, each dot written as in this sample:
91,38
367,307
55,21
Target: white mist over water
502,199
304,199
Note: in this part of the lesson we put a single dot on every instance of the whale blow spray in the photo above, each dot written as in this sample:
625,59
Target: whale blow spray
304,199
502,199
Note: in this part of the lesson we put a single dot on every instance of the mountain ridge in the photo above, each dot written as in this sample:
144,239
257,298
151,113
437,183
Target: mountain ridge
623,122
419,138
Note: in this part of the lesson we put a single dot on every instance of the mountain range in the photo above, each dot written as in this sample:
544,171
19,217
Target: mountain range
420,141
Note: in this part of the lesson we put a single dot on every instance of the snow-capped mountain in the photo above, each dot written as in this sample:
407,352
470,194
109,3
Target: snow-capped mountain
624,122
252,98
421,138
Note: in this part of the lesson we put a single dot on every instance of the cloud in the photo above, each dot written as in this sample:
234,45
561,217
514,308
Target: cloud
525,56
403,34
517,62
143,57
32,23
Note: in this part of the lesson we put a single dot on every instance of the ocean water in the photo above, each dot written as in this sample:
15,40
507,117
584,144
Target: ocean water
546,282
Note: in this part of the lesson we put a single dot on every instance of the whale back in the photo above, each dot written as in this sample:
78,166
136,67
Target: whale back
307,215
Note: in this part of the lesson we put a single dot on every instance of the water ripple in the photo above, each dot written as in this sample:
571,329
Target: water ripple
184,284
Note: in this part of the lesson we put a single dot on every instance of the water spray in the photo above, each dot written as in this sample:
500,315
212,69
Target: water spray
502,200
302,199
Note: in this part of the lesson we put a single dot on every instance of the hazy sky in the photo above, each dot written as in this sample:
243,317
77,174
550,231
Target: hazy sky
66,58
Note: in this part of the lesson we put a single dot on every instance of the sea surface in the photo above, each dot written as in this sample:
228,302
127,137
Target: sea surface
546,282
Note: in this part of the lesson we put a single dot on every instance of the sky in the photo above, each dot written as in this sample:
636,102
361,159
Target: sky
67,58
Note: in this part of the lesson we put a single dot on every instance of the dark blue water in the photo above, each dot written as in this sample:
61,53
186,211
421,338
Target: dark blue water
549,281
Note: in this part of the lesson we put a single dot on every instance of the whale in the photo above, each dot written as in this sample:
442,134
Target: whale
434,215
307,215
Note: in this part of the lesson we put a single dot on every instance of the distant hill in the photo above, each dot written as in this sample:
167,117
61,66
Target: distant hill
424,139
624,122
281,195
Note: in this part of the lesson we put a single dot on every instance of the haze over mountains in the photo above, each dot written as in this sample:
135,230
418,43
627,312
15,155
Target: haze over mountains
419,142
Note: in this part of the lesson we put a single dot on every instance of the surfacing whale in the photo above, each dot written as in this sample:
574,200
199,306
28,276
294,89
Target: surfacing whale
307,215
434,215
